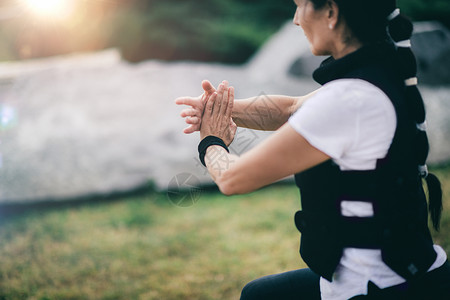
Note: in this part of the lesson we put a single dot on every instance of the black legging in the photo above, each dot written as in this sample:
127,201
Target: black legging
304,284
297,284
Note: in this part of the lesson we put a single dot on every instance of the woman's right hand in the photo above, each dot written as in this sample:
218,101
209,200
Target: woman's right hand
194,114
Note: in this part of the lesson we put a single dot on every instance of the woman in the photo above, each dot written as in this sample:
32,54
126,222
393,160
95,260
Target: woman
357,148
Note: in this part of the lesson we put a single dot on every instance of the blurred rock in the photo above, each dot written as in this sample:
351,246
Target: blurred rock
431,45
93,124
14,70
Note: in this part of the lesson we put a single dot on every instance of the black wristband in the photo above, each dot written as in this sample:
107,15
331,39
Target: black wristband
209,141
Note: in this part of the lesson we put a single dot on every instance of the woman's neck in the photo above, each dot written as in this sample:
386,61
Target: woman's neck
343,49
344,42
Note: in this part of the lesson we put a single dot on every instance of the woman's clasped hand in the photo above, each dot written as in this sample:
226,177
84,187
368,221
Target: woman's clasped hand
216,119
194,114
210,113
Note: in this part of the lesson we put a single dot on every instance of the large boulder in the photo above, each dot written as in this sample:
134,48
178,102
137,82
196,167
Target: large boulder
431,45
94,124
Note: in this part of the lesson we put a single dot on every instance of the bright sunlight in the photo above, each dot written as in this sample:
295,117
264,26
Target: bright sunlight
50,8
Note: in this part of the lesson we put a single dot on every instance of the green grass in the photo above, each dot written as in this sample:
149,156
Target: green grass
443,237
144,247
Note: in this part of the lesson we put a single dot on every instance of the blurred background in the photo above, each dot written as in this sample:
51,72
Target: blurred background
143,29
221,31
101,194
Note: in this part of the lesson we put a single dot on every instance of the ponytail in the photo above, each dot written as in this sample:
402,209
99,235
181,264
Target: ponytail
400,29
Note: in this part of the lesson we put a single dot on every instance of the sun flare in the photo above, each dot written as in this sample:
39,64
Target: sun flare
50,8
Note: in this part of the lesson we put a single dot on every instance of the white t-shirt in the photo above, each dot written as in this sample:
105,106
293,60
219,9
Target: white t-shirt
353,122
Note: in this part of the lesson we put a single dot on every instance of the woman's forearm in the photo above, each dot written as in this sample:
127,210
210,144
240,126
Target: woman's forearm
266,112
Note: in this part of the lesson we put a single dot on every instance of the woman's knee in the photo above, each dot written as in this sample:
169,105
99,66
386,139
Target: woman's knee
251,290
287,285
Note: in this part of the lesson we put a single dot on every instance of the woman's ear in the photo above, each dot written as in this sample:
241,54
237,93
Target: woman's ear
332,14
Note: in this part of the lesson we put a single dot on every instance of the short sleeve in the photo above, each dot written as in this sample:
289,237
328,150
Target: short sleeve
350,120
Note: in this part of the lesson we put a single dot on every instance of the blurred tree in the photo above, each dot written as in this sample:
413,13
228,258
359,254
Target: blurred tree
420,10
213,30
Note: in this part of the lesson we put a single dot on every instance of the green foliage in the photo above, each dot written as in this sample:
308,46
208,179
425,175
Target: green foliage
420,10
226,31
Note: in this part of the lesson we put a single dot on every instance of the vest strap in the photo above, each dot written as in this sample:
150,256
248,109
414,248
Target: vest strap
354,232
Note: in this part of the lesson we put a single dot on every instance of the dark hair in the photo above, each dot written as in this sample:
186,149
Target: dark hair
375,21
366,27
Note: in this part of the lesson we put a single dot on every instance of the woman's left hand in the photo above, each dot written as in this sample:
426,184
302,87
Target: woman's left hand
216,118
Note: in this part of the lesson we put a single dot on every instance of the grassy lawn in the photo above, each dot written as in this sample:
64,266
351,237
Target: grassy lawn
144,247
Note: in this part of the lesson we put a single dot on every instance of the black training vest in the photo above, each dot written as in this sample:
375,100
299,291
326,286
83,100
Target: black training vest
399,226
